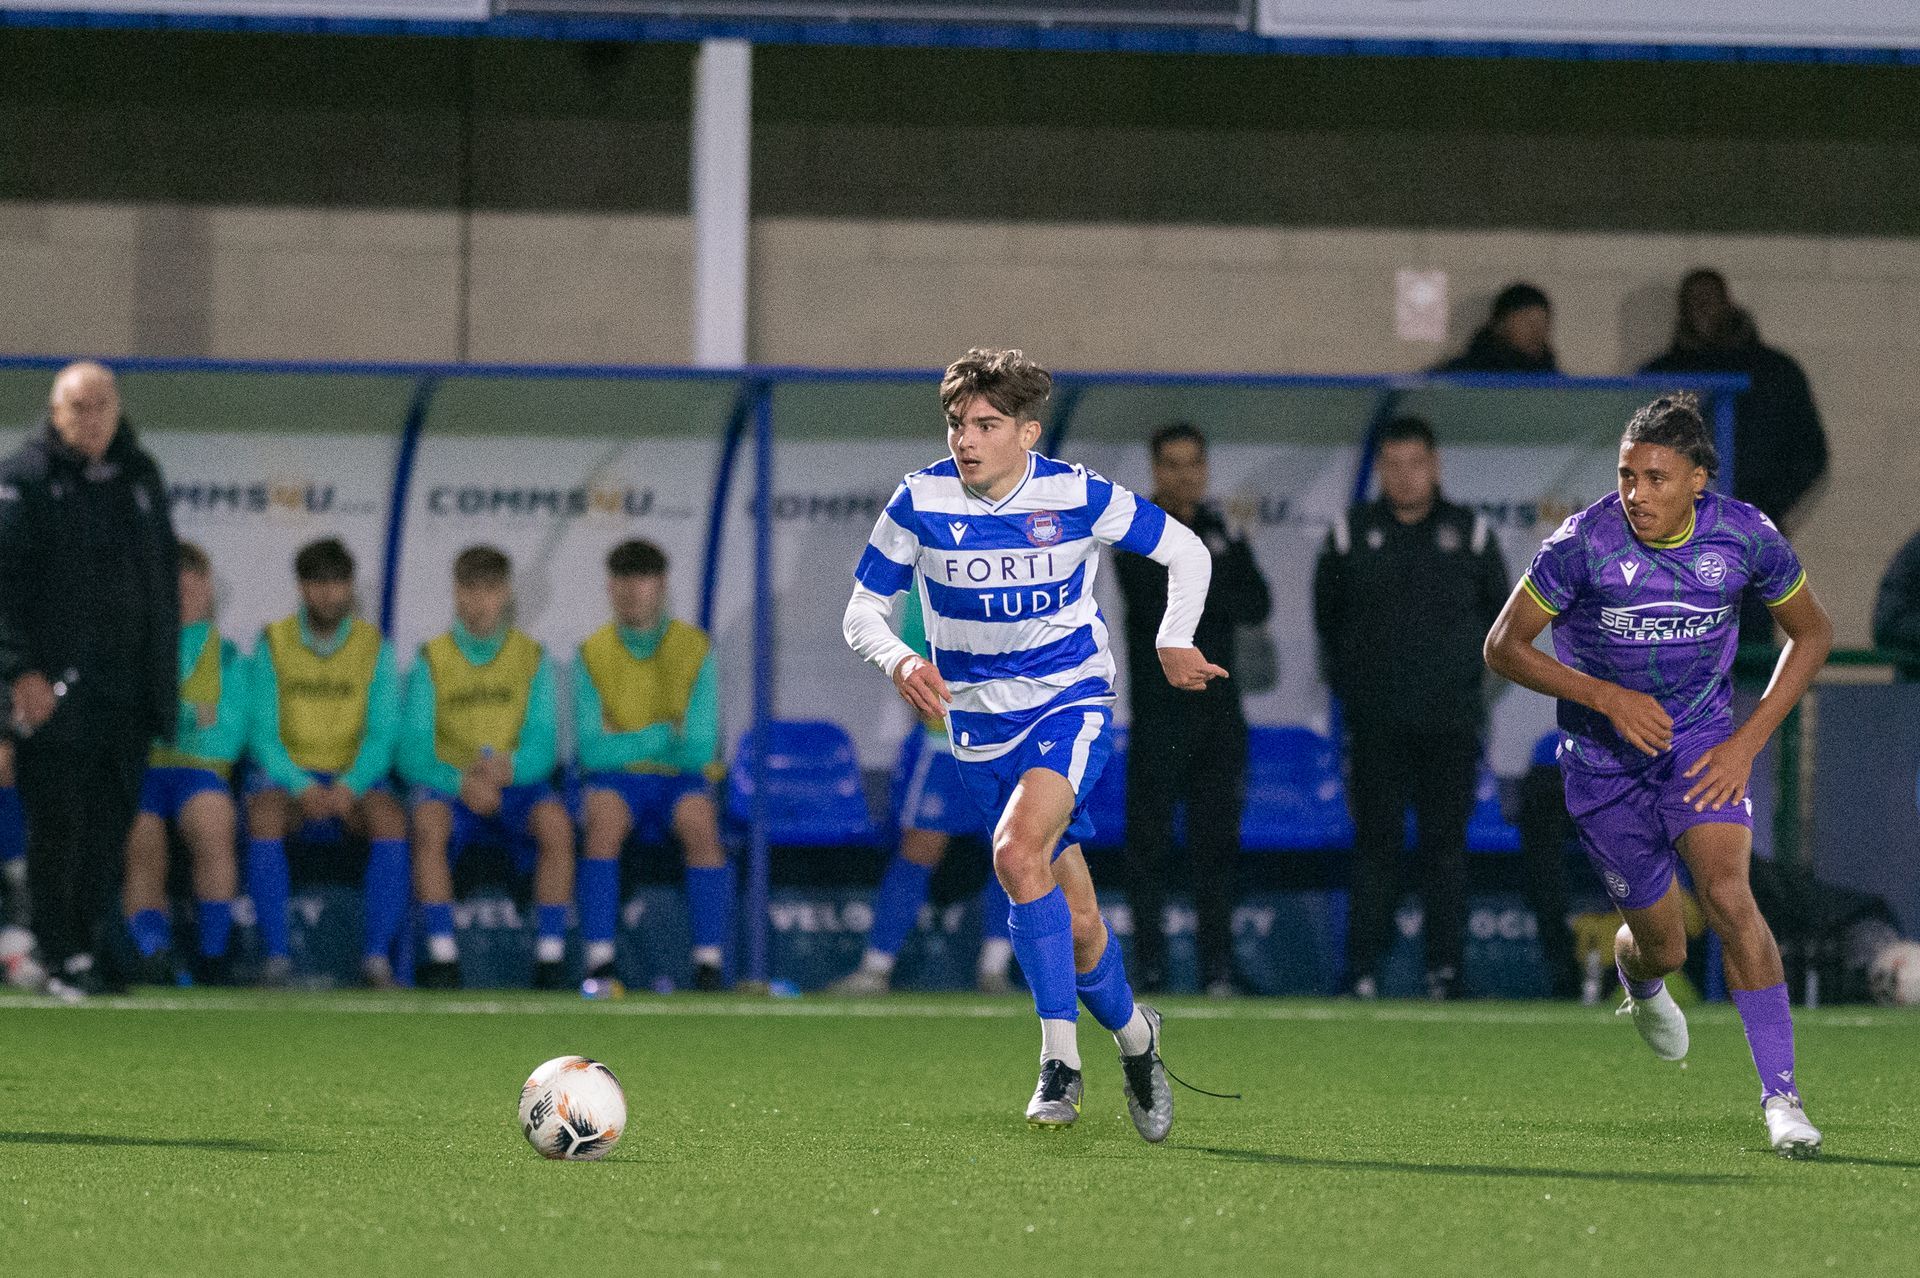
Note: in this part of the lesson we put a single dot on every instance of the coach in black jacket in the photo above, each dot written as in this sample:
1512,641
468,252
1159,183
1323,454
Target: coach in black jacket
1403,595
89,643
1187,747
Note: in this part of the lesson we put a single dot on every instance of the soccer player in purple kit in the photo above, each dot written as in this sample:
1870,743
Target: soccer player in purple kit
1643,591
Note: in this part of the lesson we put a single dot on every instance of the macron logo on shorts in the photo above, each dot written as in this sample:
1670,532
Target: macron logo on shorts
1046,746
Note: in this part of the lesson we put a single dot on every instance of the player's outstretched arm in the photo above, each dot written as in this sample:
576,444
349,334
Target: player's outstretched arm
1510,653
1189,573
1721,774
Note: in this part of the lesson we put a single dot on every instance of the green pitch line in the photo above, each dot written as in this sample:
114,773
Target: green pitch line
227,1132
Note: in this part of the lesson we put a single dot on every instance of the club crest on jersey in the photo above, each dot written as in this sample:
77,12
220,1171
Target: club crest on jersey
1044,528
1710,568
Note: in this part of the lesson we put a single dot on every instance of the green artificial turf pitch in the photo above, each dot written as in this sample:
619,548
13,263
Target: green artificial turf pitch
231,1132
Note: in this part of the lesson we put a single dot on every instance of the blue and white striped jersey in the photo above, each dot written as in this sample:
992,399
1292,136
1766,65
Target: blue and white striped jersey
1007,589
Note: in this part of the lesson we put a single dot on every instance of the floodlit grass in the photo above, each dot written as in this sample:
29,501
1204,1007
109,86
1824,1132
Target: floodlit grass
231,1132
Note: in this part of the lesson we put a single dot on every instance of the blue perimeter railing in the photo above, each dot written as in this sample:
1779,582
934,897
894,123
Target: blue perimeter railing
752,413
1065,38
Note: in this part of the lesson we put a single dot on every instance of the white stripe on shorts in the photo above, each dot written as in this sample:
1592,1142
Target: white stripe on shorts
1082,747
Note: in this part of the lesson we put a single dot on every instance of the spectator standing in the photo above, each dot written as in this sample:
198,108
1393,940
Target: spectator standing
1187,747
1402,594
1779,446
89,634
1517,337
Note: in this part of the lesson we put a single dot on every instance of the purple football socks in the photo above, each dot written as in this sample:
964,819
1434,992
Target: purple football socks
1769,1024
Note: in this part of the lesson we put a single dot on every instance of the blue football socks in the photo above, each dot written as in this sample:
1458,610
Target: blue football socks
710,904
896,906
151,930
1105,990
599,899
268,885
216,926
388,891
1042,933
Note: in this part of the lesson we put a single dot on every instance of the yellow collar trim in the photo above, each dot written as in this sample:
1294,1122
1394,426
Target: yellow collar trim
1680,538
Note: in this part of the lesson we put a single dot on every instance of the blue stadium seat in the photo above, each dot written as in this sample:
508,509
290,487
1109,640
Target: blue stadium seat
1296,800
1487,828
815,796
1546,750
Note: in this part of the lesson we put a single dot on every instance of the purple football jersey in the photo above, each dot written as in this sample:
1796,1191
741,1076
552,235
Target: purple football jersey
1659,618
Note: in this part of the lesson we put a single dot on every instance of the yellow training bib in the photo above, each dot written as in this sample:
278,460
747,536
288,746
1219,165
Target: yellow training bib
323,700
479,707
636,694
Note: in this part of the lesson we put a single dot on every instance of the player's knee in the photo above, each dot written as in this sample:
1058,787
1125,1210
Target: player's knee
550,825
606,818
1021,866
1667,953
1728,904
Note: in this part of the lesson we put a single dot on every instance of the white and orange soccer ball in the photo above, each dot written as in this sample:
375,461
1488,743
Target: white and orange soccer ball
573,1108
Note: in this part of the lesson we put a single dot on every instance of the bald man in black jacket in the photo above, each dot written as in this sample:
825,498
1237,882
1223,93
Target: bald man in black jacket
89,644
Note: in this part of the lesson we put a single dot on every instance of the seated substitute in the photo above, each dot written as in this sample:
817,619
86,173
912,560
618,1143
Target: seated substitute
647,711
935,809
323,715
478,741
190,786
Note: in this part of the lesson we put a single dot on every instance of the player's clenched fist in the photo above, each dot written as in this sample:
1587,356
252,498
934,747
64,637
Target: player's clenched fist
1187,669
1638,718
921,685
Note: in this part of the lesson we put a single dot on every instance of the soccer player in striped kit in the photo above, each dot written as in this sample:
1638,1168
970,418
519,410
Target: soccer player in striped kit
1643,591
1005,542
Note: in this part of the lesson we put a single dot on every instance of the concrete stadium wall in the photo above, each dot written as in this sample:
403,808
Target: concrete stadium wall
360,284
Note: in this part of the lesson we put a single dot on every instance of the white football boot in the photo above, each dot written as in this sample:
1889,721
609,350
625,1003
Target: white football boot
1787,1127
1144,1079
1056,1100
1660,1022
